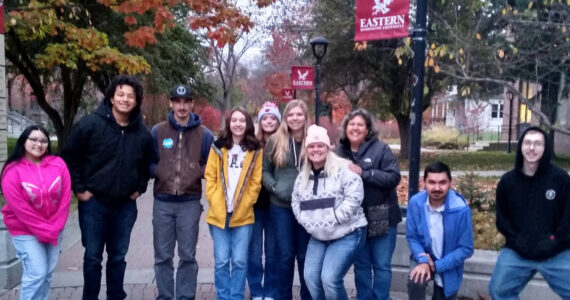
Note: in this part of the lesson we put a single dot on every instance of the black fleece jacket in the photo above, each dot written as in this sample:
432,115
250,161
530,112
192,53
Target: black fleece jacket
533,212
380,175
109,160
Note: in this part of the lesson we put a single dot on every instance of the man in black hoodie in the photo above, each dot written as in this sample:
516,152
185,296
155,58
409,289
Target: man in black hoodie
108,155
533,213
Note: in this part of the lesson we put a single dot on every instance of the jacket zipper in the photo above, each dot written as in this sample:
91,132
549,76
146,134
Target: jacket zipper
178,163
42,190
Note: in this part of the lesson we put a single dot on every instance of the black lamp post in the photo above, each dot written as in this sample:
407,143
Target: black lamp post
510,97
319,45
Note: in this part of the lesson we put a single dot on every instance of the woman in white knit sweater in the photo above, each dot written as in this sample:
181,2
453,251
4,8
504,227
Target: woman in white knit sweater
326,201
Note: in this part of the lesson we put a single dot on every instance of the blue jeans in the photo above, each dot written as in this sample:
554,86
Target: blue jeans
327,262
375,257
230,246
291,242
106,226
172,223
38,262
261,238
512,273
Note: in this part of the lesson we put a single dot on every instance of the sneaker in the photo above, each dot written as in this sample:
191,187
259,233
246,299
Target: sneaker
257,298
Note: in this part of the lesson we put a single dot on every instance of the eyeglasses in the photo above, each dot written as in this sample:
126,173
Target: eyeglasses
36,141
528,143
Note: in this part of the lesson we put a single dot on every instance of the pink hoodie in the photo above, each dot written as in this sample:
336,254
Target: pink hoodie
37,198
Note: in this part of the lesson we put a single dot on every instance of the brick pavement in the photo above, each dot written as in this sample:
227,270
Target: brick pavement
139,279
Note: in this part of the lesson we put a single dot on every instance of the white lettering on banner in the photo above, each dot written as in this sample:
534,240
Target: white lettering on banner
302,82
382,23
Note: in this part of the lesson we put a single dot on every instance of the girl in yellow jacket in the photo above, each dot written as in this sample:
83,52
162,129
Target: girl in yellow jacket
233,181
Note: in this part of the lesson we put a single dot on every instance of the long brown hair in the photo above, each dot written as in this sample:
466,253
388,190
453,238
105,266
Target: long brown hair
249,141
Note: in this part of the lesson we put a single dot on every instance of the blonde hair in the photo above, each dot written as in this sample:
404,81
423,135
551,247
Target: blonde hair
333,164
282,136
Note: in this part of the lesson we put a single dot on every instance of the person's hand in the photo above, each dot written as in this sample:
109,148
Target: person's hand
135,195
355,168
421,273
84,196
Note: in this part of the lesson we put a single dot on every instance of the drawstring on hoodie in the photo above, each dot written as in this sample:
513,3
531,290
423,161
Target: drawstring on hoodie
295,154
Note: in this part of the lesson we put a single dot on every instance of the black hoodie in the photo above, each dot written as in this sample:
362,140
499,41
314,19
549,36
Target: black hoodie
109,160
533,212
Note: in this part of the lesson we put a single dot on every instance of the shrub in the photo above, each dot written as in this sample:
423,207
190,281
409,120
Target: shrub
479,197
443,137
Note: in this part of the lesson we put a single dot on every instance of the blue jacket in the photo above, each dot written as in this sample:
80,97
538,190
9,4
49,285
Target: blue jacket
457,237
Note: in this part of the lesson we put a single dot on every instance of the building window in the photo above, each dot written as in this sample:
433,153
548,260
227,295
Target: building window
496,111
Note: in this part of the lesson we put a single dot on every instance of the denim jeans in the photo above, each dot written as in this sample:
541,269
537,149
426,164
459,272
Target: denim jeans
375,257
175,222
291,242
106,226
512,273
327,262
417,290
261,280
38,262
230,246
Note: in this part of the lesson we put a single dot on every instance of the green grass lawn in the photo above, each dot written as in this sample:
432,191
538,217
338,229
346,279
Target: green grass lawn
477,161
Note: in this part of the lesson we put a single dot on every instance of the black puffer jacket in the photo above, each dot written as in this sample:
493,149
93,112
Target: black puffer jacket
381,176
109,160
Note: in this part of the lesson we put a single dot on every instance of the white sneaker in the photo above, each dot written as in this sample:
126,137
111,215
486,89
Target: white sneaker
257,298
267,298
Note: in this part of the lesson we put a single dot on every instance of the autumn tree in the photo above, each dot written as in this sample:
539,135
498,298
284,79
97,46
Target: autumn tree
498,43
381,70
225,62
62,41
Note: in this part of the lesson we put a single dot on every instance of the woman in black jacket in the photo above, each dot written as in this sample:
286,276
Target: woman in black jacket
373,160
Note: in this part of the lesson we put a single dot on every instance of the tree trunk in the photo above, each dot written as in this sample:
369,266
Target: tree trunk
404,129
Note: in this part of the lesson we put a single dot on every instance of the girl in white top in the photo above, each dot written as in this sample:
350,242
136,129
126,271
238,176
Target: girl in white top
233,180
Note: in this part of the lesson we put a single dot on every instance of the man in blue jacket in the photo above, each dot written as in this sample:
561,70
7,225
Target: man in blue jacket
440,236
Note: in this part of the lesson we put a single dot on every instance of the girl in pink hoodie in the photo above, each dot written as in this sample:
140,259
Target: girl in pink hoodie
37,189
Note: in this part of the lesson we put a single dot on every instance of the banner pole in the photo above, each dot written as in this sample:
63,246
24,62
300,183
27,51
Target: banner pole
419,38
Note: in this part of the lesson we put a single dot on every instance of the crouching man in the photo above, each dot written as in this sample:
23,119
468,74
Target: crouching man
440,236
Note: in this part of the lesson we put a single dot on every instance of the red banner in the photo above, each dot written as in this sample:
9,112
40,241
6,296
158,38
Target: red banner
1,17
286,95
302,77
382,19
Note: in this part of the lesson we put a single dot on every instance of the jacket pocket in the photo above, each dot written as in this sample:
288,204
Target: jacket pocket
378,220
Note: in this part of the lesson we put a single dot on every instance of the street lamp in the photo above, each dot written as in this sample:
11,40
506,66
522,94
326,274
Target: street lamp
319,45
510,97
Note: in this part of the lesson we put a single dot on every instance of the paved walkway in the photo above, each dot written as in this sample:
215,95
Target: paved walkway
139,279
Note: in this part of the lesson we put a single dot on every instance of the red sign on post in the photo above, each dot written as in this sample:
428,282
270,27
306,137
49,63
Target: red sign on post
286,95
2,17
302,77
382,19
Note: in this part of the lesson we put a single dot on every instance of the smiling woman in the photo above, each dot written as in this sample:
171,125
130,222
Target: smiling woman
326,201
375,163
32,174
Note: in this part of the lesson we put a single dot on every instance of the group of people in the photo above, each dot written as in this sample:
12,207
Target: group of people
280,195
